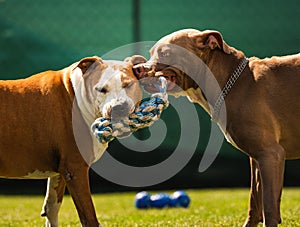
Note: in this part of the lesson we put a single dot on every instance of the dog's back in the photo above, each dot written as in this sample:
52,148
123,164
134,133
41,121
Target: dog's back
28,128
283,66
278,78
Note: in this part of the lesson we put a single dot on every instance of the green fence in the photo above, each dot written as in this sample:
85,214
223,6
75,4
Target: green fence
37,35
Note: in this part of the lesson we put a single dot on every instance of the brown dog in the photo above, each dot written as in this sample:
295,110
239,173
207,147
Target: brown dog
261,115
41,116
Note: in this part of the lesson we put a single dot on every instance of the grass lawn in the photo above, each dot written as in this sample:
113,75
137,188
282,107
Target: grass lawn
221,207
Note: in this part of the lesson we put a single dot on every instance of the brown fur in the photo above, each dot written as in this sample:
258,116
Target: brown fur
263,111
37,134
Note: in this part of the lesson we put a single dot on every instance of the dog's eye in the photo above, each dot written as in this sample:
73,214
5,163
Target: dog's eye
165,54
102,90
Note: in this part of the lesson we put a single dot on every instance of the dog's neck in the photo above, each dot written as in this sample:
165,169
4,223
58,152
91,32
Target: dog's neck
228,62
221,67
83,115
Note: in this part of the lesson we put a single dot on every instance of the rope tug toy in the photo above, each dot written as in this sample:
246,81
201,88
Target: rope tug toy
105,130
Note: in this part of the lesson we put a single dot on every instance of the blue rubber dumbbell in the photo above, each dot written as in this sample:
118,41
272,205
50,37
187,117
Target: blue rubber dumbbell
142,200
159,200
179,199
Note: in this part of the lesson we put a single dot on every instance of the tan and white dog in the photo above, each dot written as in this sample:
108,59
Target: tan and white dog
261,97
45,127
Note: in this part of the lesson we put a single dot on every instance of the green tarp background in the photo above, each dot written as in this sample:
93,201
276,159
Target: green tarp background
37,35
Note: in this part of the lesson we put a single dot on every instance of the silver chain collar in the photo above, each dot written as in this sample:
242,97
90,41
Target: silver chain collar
229,84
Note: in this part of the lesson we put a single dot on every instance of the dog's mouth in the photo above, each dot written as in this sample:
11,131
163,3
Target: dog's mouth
151,83
118,113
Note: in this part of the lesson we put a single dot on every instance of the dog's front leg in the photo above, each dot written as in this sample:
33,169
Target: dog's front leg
255,201
54,196
76,176
271,166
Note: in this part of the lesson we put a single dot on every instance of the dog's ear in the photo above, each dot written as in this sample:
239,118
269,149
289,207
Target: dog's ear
211,39
80,69
136,59
85,63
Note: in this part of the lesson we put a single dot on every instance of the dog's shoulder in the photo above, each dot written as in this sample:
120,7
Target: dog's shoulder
276,65
32,82
293,60
259,67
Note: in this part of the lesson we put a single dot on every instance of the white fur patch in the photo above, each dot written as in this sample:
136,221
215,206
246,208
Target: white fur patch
51,206
109,77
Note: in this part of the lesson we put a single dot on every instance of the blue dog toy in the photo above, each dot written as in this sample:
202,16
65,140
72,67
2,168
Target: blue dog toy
144,116
179,199
144,200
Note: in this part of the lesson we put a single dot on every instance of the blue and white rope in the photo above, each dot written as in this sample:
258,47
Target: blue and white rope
144,116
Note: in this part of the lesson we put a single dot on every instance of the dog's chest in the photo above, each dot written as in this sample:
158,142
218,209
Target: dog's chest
98,149
228,136
230,140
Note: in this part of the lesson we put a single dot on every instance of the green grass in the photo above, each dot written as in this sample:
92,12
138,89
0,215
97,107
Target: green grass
222,207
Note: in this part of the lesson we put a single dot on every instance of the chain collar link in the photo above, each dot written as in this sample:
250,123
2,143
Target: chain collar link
229,84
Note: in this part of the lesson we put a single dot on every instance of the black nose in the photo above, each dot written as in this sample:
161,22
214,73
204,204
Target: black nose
119,111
